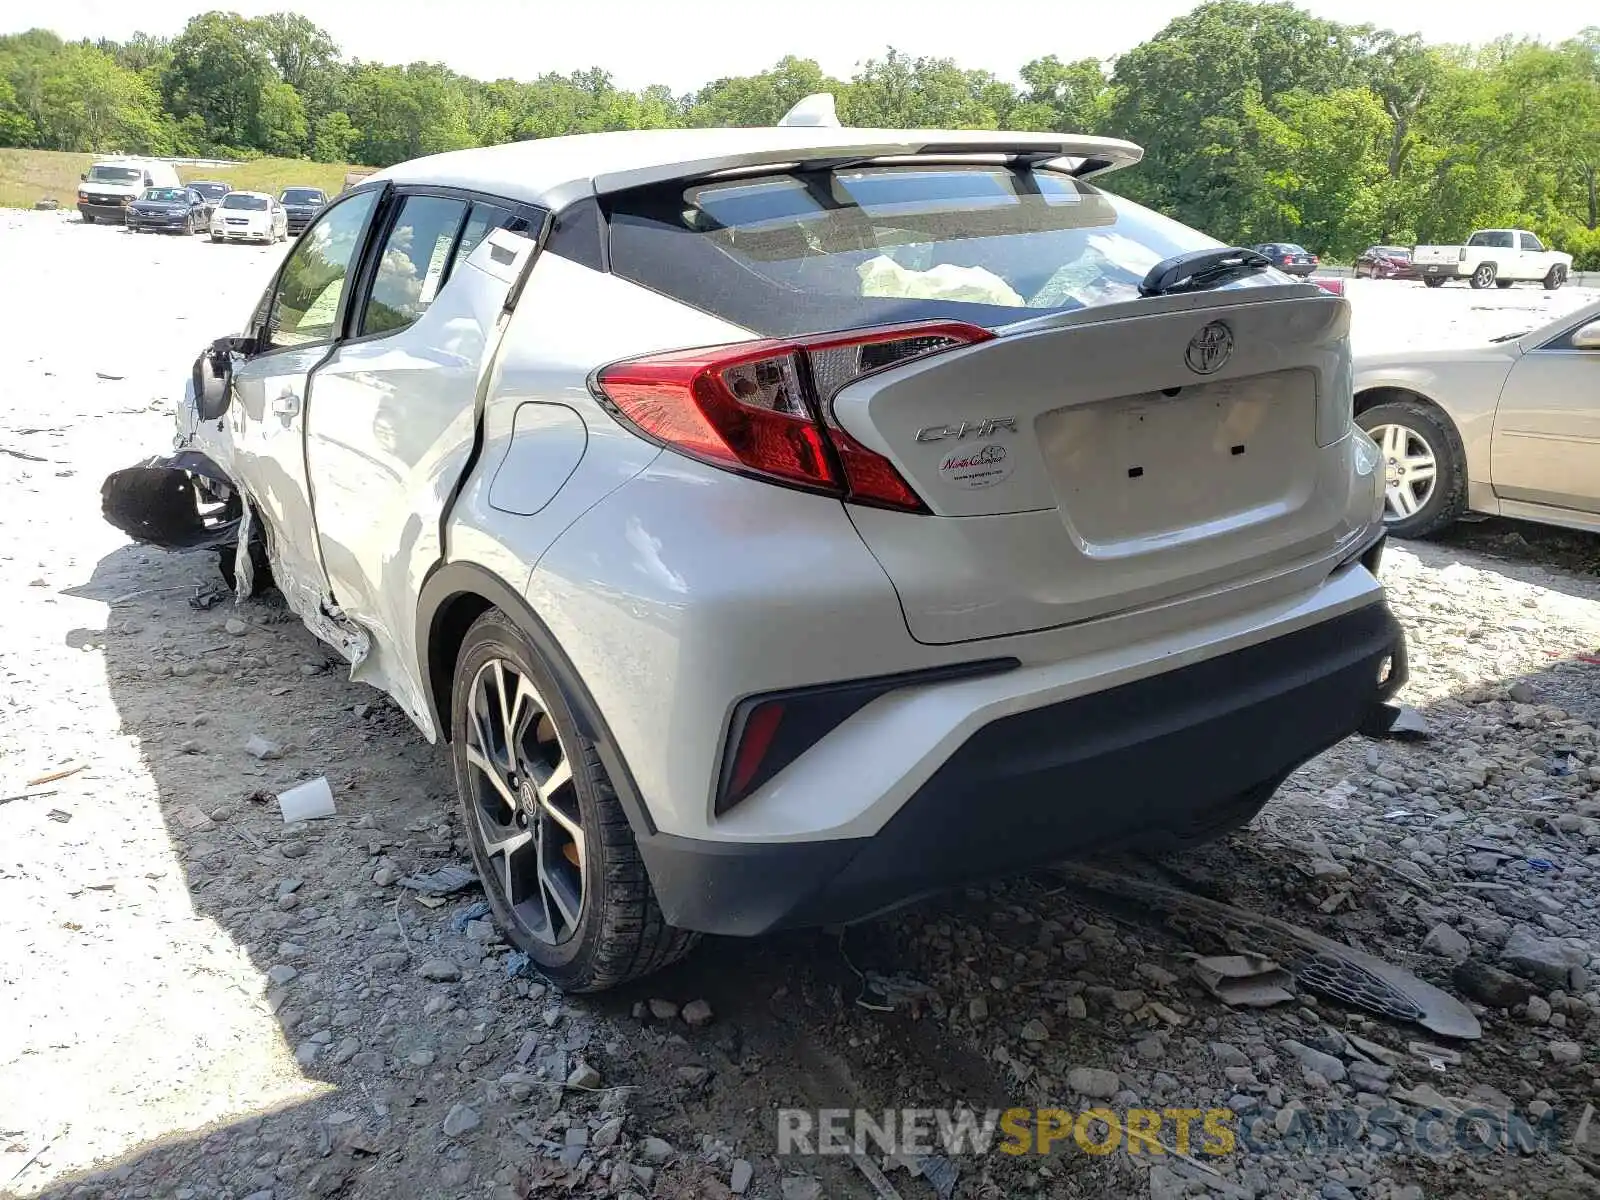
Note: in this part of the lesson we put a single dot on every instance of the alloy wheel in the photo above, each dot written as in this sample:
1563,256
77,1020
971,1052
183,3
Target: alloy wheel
525,802
1410,471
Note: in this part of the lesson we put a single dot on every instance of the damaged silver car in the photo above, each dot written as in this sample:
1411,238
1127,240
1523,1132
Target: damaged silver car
783,524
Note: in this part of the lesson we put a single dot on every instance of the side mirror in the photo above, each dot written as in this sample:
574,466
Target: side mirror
213,378
1587,337
84,176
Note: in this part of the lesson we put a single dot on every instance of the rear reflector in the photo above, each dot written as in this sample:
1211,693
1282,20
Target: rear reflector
765,408
769,732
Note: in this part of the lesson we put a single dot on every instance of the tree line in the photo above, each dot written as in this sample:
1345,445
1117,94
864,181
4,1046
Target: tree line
1260,122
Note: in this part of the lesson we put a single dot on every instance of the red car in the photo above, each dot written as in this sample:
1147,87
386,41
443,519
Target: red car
1385,262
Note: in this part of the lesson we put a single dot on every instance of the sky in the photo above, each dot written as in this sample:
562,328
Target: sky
685,45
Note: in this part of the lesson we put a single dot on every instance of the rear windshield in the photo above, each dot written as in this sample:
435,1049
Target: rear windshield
115,174
239,200
301,196
1391,251
210,190
814,250
170,195
1491,237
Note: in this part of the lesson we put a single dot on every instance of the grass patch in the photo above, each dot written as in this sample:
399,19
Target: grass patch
27,176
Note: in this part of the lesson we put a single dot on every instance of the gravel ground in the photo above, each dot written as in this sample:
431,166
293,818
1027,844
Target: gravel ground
201,1002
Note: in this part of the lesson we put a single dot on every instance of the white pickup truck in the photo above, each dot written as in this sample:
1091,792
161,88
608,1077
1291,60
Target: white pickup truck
1493,256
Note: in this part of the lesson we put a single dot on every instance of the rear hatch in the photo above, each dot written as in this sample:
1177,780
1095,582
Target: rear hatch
1088,467
1097,449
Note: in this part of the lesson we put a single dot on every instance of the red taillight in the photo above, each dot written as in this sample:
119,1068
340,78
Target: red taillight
766,407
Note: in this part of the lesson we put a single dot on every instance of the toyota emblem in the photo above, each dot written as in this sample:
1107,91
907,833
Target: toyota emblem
1209,349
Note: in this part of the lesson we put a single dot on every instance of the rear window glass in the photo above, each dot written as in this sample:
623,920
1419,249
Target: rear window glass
815,250
1491,237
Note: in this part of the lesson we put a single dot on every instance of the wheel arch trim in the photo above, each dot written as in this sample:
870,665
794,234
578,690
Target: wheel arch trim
449,583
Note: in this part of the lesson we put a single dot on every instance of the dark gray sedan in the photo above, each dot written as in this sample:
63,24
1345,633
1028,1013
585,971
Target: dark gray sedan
302,204
168,209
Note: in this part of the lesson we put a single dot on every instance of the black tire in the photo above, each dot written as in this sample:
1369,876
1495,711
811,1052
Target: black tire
1555,277
1432,281
620,933
215,238
1483,275
1449,498
1502,284
88,218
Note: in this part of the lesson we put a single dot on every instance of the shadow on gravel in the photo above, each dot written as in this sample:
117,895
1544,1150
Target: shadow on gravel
445,1072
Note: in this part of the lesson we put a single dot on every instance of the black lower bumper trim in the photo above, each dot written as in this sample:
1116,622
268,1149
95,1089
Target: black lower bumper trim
1189,752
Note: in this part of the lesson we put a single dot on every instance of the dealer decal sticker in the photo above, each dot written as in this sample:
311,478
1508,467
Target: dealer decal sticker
976,468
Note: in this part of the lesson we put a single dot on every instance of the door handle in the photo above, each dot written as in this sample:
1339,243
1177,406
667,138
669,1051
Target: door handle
286,405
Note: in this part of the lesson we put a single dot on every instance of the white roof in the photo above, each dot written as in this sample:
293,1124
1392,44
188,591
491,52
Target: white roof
554,172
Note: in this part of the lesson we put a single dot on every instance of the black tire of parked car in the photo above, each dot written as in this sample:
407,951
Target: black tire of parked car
620,932
1449,499
1432,281
1555,277
1502,284
1483,275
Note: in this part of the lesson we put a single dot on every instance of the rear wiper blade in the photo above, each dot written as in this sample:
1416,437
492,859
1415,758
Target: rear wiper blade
1201,269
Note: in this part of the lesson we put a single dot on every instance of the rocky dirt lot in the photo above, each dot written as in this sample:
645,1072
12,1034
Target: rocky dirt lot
200,1002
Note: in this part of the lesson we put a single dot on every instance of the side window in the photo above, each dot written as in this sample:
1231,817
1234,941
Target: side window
484,218
416,256
1529,242
305,304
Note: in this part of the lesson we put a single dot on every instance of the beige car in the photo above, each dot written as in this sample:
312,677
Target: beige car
1510,428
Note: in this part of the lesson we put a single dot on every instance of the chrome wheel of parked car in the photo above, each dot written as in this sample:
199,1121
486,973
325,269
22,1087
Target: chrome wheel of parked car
1410,470
1484,276
525,805
1555,277
1425,466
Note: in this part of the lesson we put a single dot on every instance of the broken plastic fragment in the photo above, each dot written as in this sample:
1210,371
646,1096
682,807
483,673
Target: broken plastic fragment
469,914
443,882
1244,980
1318,963
306,801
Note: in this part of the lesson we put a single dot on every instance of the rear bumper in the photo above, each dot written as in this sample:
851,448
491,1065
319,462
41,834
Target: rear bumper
1453,270
1133,764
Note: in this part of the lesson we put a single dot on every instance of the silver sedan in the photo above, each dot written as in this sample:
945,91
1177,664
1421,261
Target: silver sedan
1510,428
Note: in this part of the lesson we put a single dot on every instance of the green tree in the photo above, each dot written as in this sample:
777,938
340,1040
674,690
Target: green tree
1185,96
1066,97
334,138
219,72
760,99
896,92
